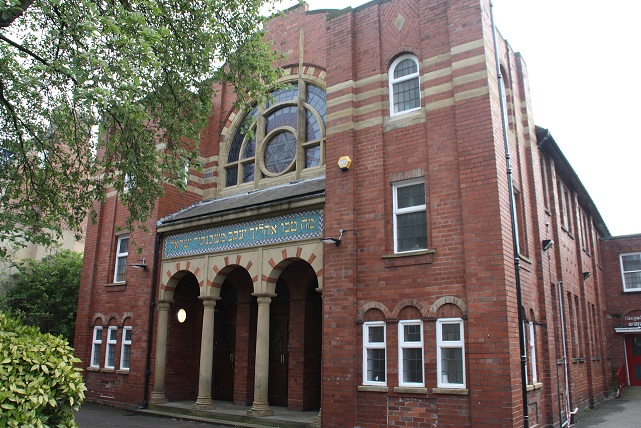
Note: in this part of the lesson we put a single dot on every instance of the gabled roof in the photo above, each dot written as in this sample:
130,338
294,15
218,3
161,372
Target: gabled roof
292,191
548,145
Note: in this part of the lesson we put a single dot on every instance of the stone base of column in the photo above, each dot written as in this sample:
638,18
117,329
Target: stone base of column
205,403
158,398
260,409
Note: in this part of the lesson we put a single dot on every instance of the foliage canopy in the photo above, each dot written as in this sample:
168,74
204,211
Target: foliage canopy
39,383
45,293
112,94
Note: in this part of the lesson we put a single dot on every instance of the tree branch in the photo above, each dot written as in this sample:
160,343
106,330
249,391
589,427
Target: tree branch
37,57
17,12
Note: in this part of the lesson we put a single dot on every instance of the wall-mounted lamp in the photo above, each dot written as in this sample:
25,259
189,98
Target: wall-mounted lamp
337,241
586,275
547,244
141,264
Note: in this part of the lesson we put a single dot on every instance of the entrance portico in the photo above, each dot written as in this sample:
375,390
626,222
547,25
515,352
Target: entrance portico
259,269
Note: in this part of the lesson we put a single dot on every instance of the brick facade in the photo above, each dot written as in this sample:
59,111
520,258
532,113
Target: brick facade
454,145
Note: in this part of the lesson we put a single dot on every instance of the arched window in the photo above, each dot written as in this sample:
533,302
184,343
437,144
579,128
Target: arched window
278,141
404,85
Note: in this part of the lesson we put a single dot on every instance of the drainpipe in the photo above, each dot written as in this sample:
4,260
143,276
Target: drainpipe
150,329
515,232
568,414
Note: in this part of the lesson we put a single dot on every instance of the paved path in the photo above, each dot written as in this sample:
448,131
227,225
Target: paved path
96,416
624,412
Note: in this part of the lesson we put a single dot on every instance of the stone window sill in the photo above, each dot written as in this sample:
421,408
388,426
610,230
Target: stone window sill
123,371
107,370
536,385
409,258
93,369
116,286
451,391
373,388
410,390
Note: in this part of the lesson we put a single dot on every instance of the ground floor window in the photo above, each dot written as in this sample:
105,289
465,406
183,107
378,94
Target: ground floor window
96,345
374,353
450,353
112,340
410,351
125,351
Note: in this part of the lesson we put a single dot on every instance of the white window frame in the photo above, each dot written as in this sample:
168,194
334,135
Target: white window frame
119,256
111,347
407,210
367,345
402,345
96,344
623,271
532,346
393,81
126,344
449,344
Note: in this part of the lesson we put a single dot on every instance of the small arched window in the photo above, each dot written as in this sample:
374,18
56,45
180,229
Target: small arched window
404,85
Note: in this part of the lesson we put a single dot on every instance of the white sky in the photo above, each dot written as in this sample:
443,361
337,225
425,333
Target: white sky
582,58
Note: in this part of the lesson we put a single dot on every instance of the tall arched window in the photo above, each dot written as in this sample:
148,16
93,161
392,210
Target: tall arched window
279,141
404,85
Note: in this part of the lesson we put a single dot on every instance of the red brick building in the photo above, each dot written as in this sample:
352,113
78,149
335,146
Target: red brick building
622,265
409,314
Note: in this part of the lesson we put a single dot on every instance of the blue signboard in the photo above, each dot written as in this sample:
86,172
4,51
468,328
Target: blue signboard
291,227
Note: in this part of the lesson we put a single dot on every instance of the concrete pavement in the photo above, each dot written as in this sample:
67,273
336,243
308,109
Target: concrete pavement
624,412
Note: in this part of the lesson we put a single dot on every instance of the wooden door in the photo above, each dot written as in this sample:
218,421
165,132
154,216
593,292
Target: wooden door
224,354
278,358
633,352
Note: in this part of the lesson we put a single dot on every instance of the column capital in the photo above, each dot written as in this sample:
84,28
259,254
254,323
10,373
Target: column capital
264,298
209,301
163,304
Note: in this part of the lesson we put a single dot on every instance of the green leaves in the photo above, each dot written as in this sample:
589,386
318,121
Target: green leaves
39,383
46,293
142,72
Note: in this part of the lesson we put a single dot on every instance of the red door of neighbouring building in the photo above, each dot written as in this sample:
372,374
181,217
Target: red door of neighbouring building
633,352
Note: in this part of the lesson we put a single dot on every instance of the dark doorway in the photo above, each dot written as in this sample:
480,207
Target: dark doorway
633,351
279,346
225,344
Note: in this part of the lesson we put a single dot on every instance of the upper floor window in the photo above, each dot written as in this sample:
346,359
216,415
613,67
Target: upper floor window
631,271
271,140
410,221
122,252
404,85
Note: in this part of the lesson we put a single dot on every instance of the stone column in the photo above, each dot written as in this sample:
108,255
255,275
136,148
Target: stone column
260,407
158,393
204,400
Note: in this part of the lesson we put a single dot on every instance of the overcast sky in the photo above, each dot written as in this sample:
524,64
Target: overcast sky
583,62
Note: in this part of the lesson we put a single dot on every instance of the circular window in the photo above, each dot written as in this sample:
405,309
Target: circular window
280,152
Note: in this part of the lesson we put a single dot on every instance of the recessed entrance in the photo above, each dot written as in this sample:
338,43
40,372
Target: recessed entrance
633,354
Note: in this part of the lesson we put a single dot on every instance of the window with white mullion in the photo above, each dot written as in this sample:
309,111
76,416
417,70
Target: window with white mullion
532,346
404,85
450,353
631,271
125,351
410,221
122,252
410,351
96,345
374,353
112,340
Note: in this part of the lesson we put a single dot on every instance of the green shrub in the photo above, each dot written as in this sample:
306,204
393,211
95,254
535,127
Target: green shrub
46,293
39,383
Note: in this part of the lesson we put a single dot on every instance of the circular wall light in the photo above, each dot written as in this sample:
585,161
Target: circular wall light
181,315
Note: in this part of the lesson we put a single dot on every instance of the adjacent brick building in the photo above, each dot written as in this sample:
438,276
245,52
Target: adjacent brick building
622,265
408,314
